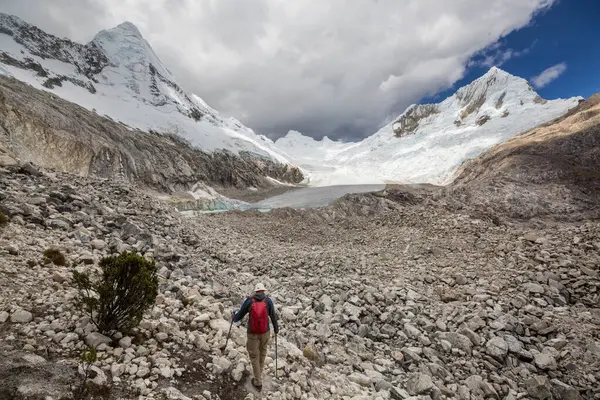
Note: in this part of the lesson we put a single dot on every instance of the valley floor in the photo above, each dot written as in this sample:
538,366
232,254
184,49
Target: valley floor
374,302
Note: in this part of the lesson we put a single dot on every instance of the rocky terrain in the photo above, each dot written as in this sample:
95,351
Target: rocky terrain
550,171
385,296
54,133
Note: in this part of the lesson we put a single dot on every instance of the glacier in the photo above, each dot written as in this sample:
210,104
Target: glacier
428,143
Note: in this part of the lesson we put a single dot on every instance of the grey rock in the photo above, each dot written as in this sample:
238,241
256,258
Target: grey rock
95,339
460,279
69,337
514,345
497,348
142,372
419,384
563,391
4,317
12,249
117,370
361,379
34,359
458,341
538,387
545,361
97,376
382,384
412,331
58,277
326,301
172,393
98,244
21,317
589,272
476,323
474,383
125,342
58,224
473,337
164,272
533,288
399,394
464,393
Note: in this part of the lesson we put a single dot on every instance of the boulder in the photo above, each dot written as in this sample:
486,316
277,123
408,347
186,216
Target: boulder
21,317
4,317
95,339
497,348
544,361
125,342
538,387
419,384
458,341
361,379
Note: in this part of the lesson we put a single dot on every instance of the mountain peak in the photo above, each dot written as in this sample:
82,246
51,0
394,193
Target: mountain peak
497,71
128,28
124,30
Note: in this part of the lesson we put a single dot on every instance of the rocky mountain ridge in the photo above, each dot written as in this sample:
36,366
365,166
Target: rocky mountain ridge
119,75
41,128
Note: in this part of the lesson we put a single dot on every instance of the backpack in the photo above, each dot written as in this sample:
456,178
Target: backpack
259,317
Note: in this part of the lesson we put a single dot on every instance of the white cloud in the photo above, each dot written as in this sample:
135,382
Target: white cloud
497,55
548,75
336,67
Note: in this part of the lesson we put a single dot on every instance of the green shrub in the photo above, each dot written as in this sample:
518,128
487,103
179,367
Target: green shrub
118,299
55,256
3,219
87,359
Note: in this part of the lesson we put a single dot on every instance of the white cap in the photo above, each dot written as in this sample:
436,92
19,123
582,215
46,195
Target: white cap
259,287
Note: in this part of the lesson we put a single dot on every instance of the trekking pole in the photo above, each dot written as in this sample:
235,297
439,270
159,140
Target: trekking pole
275,356
229,333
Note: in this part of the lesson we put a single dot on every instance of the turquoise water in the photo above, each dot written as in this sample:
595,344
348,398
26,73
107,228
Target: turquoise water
299,198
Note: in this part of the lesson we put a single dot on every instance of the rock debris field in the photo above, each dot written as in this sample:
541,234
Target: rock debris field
405,301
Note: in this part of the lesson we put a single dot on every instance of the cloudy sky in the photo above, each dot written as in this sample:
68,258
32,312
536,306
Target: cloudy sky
338,67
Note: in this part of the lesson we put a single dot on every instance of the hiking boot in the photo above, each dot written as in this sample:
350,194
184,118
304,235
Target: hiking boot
256,385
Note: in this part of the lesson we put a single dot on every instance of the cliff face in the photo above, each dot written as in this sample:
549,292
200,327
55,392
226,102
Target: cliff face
39,127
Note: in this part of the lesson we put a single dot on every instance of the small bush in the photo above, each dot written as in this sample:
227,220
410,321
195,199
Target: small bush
118,299
55,256
87,359
3,219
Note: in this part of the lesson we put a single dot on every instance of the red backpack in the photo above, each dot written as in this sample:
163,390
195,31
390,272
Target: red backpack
259,317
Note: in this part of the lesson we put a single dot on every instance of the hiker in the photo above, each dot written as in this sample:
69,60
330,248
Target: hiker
261,308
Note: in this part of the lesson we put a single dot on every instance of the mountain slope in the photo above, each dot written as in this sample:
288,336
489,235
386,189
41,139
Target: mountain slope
552,169
38,127
118,75
427,143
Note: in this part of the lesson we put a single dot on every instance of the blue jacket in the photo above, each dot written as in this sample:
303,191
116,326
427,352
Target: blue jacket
247,306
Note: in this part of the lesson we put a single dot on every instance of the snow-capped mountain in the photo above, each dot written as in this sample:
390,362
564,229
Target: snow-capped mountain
118,75
427,143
